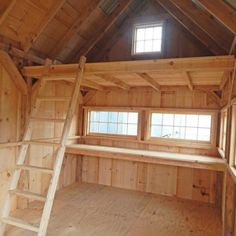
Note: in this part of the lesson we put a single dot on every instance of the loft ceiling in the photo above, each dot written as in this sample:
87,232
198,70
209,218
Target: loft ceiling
64,30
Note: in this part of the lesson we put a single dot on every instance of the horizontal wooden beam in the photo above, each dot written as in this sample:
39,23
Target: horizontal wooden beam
150,81
219,63
119,83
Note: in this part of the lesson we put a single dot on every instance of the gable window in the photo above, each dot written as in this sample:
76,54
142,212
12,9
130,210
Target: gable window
147,38
181,126
113,123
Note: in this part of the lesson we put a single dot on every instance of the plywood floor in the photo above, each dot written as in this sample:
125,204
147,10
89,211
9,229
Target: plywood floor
95,210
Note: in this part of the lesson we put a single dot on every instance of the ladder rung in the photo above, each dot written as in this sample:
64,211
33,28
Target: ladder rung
20,224
29,195
52,99
35,168
58,77
40,143
47,119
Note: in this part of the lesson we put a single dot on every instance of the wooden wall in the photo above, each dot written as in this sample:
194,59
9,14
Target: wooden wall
187,183
43,155
177,41
229,207
11,108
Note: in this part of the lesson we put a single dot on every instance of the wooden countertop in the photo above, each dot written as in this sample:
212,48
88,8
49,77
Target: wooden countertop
155,157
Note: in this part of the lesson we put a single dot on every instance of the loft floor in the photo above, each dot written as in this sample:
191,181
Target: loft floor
95,210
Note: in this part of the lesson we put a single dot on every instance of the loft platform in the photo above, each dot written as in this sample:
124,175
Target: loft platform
197,71
154,157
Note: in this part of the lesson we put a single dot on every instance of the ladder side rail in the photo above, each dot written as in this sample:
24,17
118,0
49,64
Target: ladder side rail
61,150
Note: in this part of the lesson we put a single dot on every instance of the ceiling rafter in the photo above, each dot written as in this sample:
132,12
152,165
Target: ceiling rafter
7,10
75,28
110,78
221,11
15,75
15,52
191,26
204,20
93,85
114,34
50,14
233,47
123,5
150,81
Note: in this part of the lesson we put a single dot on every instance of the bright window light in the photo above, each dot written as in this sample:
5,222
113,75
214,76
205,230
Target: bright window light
147,38
114,123
181,126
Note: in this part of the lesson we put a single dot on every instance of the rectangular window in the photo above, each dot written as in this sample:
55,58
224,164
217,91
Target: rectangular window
147,38
113,123
181,126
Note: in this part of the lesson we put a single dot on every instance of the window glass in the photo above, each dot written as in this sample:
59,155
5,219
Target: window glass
147,38
181,126
111,122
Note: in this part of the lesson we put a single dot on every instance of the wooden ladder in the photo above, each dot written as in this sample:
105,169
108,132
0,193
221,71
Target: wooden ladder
41,229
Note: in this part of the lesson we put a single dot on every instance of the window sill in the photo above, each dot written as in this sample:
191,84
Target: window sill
181,143
221,152
153,142
110,136
232,171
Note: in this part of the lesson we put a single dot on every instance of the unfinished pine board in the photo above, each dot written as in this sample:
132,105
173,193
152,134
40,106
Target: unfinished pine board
90,210
39,155
11,108
204,71
172,98
186,183
154,157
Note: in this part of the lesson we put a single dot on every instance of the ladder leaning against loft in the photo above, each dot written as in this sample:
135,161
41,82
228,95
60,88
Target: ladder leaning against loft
6,219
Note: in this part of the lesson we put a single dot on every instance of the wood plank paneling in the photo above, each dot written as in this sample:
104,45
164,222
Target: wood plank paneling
43,156
186,183
10,126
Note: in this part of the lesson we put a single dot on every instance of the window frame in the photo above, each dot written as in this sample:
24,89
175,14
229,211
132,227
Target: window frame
184,142
232,147
223,130
134,34
87,111
144,117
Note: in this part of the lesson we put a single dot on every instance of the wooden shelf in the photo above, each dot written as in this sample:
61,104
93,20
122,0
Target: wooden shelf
155,157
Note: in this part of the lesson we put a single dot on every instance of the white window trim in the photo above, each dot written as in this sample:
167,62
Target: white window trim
135,26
